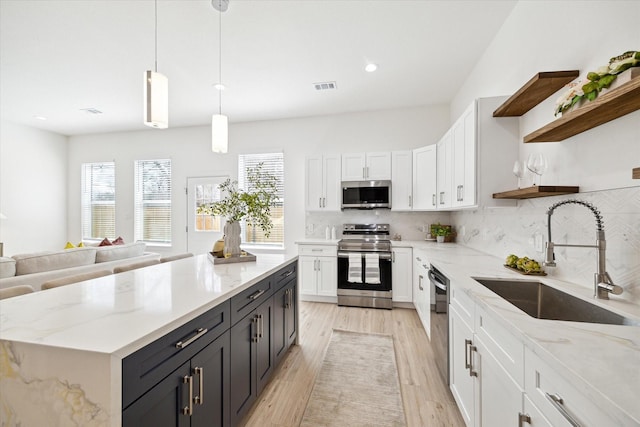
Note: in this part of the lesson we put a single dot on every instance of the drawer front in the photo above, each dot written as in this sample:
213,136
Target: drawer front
463,304
249,299
149,365
543,385
284,275
318,250
507,349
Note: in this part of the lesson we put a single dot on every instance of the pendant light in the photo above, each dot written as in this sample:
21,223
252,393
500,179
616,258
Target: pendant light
156,91
220,122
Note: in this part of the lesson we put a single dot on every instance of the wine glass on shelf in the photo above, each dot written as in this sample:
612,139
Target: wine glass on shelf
537,164
518,172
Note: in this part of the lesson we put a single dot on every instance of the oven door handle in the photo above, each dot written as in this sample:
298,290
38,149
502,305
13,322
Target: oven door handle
436,282
383,255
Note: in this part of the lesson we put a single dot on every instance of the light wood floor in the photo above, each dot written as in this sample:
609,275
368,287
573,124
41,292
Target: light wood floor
427,400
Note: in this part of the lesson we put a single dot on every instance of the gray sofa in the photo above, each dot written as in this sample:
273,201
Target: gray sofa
37,268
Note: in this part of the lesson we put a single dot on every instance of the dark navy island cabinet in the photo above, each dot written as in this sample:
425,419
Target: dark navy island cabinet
211,370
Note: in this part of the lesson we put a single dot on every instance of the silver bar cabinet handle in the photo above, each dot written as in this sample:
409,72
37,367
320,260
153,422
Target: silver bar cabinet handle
557,402
433,199
420,285
467,365
188,410
442,197
200,332
261,323
254,321
523,418
199,371
254,296
472,373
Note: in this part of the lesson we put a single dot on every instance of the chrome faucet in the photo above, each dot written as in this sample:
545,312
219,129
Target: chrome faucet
603,285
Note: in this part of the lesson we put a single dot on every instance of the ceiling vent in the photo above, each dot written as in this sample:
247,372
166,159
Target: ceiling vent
325,85
91,110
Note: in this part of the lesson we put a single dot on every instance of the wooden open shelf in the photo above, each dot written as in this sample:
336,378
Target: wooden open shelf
536,191
540,87
608,106
635,173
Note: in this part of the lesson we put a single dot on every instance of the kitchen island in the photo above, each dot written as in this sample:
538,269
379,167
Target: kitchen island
62,350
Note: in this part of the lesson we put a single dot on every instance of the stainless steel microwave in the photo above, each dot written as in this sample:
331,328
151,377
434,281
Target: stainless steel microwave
366,194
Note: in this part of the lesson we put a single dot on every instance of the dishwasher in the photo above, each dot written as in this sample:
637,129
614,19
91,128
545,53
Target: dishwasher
439,284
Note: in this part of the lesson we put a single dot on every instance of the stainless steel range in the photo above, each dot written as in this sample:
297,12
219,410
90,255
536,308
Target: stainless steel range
364,266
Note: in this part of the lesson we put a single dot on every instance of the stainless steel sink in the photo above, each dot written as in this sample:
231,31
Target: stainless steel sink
544,302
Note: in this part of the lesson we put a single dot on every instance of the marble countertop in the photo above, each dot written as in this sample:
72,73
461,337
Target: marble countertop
121,313
601,361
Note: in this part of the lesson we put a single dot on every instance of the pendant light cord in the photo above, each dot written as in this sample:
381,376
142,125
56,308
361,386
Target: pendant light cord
156,36
220,61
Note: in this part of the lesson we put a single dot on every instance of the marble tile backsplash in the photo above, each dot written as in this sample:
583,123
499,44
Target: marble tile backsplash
406,224
522,230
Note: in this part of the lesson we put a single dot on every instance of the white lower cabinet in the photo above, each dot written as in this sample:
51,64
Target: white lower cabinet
318,270
483,358
558,401
401,277
421,292
497,381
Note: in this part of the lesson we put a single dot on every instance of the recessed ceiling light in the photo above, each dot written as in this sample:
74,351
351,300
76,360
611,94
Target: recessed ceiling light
219,86
39,117
370,68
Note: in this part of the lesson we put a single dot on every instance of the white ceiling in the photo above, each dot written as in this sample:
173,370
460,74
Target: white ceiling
58,57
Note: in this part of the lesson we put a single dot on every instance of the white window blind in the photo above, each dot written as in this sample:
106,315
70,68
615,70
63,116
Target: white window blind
98,200
272,163
152,210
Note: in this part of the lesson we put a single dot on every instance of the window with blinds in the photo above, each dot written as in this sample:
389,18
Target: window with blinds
272,163
98,200
152,208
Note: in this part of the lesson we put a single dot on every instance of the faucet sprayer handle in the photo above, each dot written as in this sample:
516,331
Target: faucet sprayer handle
550,257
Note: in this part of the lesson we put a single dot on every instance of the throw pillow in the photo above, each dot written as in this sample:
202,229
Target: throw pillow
118,241
105,242
69,245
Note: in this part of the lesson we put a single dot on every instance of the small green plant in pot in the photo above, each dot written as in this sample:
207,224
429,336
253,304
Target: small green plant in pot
443,233
253,206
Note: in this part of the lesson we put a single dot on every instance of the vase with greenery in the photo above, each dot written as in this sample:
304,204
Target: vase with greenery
441,231
252,205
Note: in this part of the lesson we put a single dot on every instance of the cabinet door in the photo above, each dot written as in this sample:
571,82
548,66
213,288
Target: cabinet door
378,166
162,406
401,274
280,339
264,346
327,276
499,398
444,181
464,159
308,268
424,178
332,191
461,381
291,313
243,367
314,183
401,179
210,370
353,165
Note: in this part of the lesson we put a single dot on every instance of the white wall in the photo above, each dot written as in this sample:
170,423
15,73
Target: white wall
33,189
189,149
564,35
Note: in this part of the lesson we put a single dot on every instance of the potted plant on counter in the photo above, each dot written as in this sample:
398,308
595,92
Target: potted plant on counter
252,205
443,233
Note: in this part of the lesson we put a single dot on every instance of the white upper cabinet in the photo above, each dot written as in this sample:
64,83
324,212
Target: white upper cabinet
444,154
475,157
464,159
322,183
424,178
366,166
401,180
